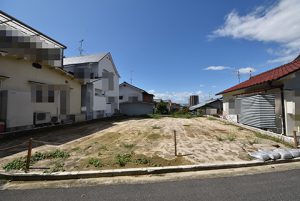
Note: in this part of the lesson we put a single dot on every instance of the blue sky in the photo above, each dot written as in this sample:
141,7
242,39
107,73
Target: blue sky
174,47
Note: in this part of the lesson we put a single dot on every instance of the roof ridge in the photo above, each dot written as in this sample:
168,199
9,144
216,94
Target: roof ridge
269,75
96,54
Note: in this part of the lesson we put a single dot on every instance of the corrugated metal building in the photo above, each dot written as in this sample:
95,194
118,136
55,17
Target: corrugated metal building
270,100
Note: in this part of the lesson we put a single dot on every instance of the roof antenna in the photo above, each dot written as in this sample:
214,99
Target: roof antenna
80,47
238,75
131,76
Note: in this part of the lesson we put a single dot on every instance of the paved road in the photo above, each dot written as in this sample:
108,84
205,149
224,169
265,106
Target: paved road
278,186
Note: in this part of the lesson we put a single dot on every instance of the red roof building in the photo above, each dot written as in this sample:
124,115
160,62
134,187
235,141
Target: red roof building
269,101
268,76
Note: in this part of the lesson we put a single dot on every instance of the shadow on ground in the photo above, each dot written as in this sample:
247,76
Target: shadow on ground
53,135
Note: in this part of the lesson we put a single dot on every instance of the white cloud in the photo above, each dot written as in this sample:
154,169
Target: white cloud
216,68
278,23
246,70
178,97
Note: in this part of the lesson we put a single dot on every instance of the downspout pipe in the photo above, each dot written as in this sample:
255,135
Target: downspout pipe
283,110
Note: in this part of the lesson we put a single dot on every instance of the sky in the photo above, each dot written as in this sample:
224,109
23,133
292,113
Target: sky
173,48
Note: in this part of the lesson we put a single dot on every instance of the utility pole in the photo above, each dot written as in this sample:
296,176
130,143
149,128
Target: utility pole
250,74
80,47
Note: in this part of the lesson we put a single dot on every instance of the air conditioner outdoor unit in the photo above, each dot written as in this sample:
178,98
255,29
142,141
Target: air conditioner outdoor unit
54,119
42,118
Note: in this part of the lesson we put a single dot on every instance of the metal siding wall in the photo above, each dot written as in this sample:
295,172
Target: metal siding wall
258,111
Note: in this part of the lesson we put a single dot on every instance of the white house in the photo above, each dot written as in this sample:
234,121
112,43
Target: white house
135,101
270,100
34,89
100,89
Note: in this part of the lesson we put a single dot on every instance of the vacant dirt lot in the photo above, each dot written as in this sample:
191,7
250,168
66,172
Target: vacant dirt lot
148,142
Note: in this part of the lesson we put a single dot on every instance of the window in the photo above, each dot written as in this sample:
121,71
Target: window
50,96
39,95
120,97
133,99
98,92
111,99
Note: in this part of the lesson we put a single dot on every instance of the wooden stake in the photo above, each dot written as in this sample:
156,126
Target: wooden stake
28,154
295,139
175,143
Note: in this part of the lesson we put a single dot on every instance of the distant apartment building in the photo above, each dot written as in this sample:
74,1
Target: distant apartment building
194,100
135,101
100,88
34,89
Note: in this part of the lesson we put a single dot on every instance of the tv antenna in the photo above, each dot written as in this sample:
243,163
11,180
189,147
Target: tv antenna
80,47
238,75
131,76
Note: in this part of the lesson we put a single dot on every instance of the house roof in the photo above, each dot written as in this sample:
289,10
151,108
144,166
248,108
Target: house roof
205,103
270,75
8,20
134,87
92,58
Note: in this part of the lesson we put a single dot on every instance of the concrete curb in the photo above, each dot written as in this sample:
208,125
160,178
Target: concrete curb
40,176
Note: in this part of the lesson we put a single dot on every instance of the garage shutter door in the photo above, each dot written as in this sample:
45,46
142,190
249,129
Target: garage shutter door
258,111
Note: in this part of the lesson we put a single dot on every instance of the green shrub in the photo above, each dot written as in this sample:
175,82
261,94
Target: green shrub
142,161
38,156
95,162
57,154
123,159
162,108
17,164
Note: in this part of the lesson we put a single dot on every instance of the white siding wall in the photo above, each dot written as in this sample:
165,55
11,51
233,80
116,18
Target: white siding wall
127,92
20,72
106,64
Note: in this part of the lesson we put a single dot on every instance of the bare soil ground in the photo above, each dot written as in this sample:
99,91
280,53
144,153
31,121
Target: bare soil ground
150,142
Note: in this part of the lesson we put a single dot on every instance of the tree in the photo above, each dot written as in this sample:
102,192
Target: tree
162,108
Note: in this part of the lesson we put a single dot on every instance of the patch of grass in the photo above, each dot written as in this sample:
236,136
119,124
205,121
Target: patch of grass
240,128
142,161
219,138
123,159
17,164
278,140
155,127
227,123
253,141
77,149
154,116
103,147
231,137
38,156
211,118
95,162
58,167
186,125
129,146
153,136
182,115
